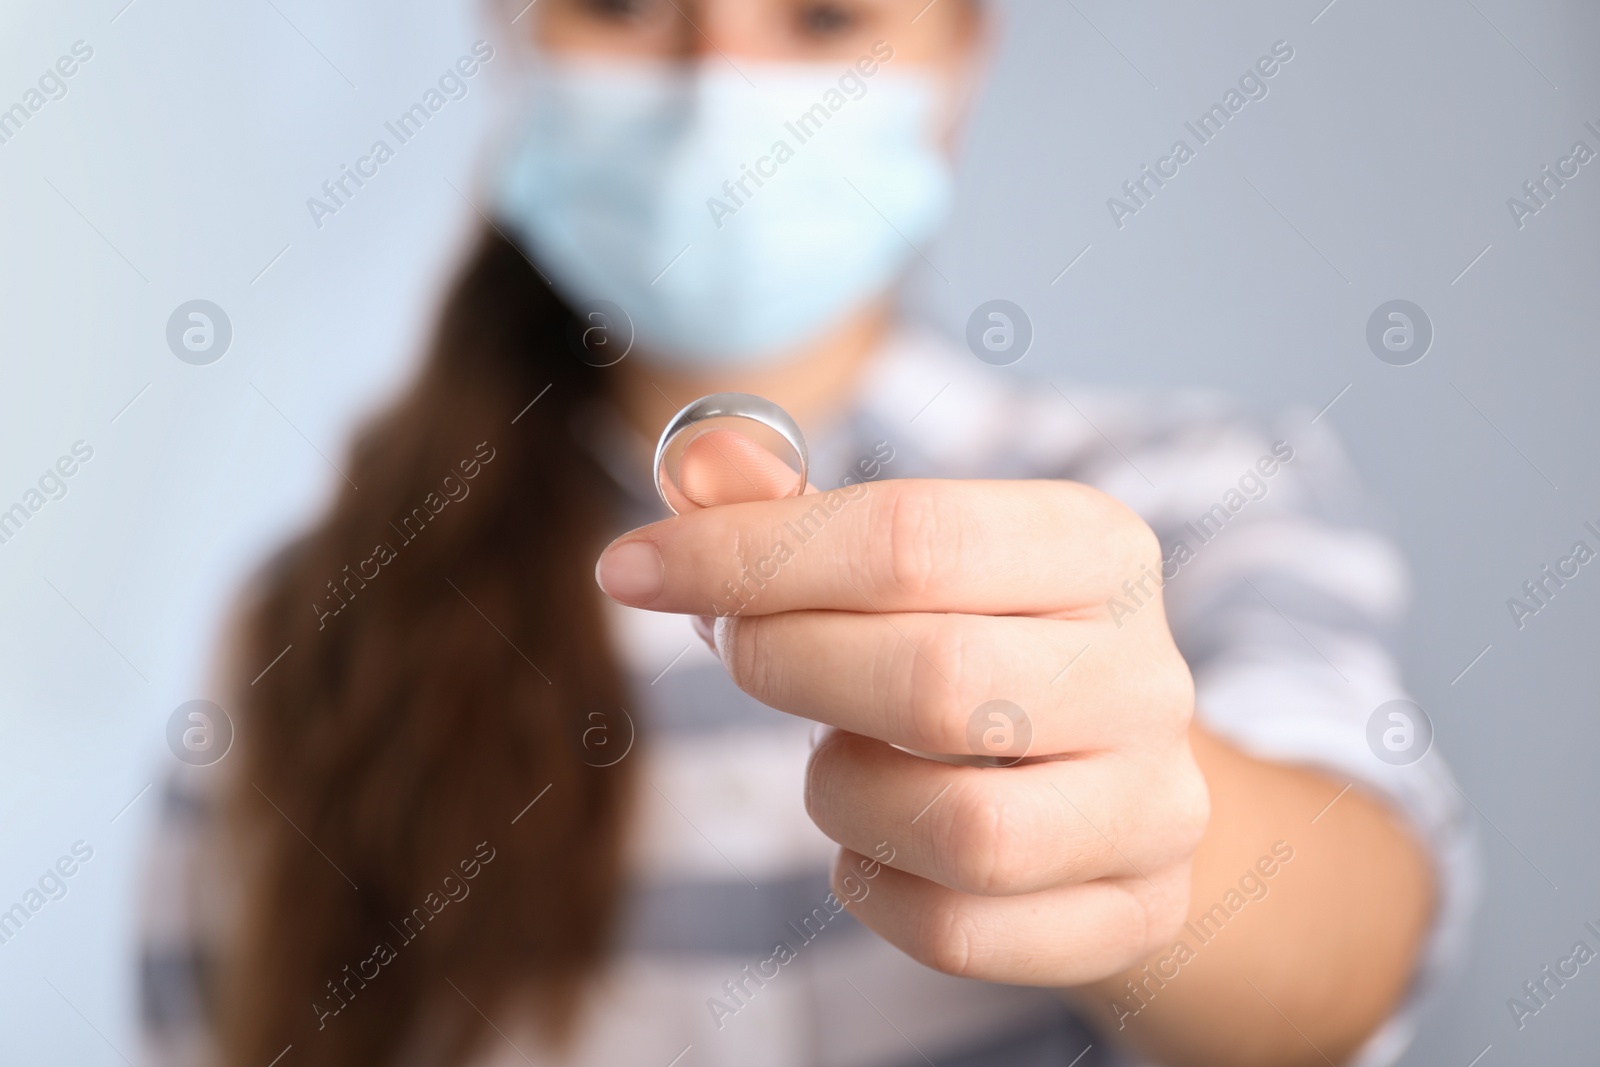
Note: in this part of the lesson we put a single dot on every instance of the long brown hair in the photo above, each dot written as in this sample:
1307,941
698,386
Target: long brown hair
445,653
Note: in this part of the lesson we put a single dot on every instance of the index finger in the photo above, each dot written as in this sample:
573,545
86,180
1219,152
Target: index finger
979,547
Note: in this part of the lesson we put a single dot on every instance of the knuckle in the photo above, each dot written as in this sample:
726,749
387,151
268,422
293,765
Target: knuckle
1140,547
987,854
916,524
1175,692
1179,806
1134,544
936,683
1163,922
949,939
1161,697
1192,809
1183,692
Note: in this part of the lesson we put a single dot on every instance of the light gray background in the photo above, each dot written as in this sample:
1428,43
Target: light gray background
178,165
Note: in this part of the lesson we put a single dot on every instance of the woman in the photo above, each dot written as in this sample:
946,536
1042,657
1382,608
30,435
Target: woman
481,813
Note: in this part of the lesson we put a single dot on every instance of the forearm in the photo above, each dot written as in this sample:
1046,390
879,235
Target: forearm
1315,956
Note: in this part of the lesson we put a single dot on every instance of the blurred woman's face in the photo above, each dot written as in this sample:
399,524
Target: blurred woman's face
933,34
627,180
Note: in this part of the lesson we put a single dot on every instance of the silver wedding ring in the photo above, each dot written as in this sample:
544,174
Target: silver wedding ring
717,406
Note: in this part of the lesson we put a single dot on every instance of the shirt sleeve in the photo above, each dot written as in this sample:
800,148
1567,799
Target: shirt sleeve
1285,600
178,916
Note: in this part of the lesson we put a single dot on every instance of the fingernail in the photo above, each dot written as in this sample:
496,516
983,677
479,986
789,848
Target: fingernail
631,572
702,628
719,638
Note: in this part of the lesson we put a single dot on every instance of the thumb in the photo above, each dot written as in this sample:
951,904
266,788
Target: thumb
726,467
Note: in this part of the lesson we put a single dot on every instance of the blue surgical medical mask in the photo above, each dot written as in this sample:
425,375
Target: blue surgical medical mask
730,218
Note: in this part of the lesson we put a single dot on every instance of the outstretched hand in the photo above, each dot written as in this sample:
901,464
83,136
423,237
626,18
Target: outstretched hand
898,613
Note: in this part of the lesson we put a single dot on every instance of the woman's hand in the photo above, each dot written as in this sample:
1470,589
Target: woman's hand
893,612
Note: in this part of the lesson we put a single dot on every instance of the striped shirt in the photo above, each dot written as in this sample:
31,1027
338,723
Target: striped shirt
1279,595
